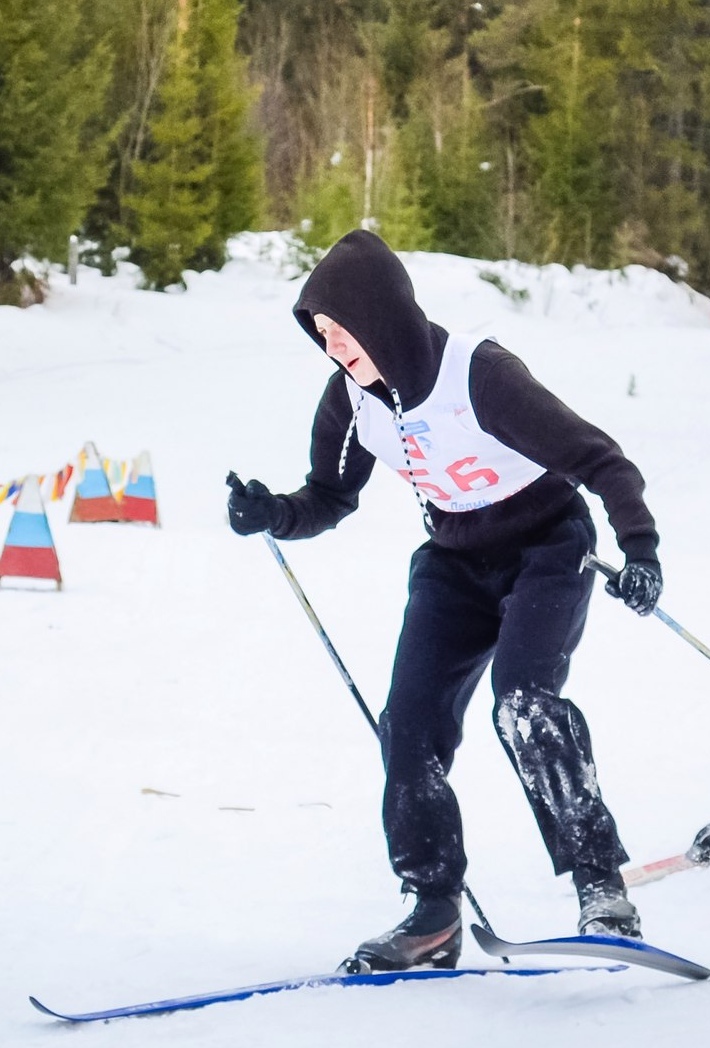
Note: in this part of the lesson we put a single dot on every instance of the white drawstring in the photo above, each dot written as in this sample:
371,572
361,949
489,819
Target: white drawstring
349,434
398,419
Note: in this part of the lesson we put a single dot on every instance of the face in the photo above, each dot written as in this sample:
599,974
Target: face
342,347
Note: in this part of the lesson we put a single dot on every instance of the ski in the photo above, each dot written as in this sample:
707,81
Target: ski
629,951
696,857
243,993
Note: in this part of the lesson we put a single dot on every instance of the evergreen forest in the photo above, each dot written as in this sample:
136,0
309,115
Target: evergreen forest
569,131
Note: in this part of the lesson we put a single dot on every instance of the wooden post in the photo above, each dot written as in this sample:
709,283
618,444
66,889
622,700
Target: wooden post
73,263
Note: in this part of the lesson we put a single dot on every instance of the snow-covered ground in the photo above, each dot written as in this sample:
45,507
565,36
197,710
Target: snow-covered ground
189,795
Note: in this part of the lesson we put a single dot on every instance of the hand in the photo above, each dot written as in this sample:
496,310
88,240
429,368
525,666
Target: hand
699,851
252,508
638,584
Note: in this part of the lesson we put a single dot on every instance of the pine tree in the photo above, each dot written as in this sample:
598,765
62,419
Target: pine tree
573,208
500,47
227,143
465,192
172,208
188,169
402,52
328,204
139,34
663,133
404,186
53,83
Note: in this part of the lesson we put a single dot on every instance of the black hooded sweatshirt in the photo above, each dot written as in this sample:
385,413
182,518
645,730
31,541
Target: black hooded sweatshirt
362,285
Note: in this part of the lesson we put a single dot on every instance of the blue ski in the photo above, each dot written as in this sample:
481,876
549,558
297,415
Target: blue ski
629,951
242,993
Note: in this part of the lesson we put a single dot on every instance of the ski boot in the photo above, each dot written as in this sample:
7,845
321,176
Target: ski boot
431,936
604,905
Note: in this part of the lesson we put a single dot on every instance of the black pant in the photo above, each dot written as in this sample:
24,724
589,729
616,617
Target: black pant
525,613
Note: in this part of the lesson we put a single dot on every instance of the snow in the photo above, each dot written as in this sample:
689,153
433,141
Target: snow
189,794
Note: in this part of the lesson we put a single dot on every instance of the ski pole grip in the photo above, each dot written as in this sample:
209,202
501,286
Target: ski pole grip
590,561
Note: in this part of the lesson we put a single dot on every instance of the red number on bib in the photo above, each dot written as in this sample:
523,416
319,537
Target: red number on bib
434,489
467,479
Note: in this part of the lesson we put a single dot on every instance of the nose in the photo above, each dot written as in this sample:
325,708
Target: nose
333,342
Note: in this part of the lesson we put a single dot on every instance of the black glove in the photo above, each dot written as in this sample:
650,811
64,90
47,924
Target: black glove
252,508
638,584
699,850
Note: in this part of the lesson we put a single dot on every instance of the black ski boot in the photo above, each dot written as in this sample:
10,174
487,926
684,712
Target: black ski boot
604,905
431,935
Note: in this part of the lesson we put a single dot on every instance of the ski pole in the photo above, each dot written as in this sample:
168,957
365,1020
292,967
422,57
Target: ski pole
698,854
590,561
315,621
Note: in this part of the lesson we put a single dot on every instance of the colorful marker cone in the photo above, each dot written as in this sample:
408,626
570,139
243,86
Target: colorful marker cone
93,500
139,502
29,548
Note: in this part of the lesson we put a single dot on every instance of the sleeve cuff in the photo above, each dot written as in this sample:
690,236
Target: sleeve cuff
640,547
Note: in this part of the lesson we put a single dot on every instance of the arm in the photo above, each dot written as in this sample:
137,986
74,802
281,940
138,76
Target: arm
326,497
521,413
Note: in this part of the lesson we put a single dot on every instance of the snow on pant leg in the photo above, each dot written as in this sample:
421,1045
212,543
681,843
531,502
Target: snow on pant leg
545,736
441,655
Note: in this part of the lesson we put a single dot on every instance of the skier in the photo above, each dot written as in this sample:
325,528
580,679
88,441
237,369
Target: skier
494,460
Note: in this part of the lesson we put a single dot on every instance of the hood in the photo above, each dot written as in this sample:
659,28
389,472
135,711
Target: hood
363,286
